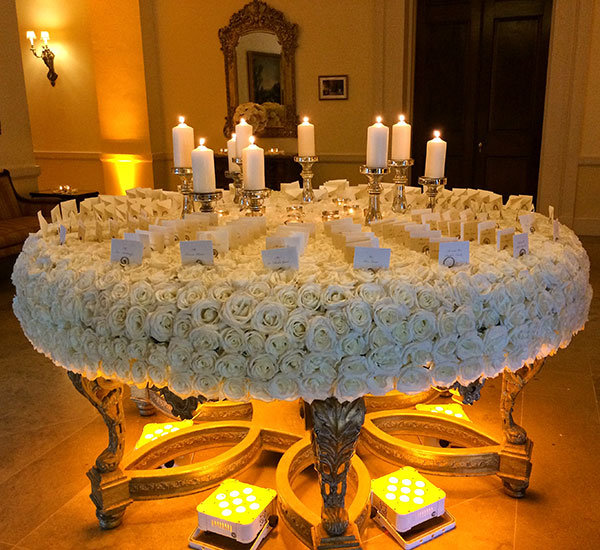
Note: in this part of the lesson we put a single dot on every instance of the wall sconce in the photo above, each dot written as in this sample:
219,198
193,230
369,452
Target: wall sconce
47,54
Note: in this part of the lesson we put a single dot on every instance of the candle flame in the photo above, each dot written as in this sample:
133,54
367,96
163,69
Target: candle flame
401,117
437,133
233,136
202,142
251,140
378,119
305,119
45,36
181,119
242,121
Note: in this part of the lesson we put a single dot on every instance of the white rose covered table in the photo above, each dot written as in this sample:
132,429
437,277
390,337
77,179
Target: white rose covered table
326,333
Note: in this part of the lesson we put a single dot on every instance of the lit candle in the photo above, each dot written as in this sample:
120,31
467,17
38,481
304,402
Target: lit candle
401,140
232,153
203,166
243,131
436,156
377,145
306,139
253,161
45,37
183,143
31,36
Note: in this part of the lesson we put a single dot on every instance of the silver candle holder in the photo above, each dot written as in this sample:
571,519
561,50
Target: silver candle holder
254,200
236,176
308,195
431,187
208,200
400,168
374,176
186,187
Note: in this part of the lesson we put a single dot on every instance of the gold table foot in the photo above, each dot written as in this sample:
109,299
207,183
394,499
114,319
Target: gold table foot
322,541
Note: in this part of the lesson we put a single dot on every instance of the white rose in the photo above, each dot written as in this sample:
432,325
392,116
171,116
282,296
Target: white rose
179,353
469,345
278,343
166,293
160,322
349,388
181,384
354,366
295,326
371,292
316,385
489,318
418,354
387,314
258,389
320,362
158,375
137,348
139,372
190,294
335,296
495,341
359,315
427,299
157,356
446,322
142,294
206,385
385,359
500,300
135,322
465,320
283,387
379,337
470,370
403,293
380,384
120,291
255,342
309,296
444,350
262,367
205,339
120,346
288,296
238,309
206,312
259,290
204,363
423,325
233,340
235,389
444,374
182,325
292,363
269,317
116,318
321,335
402,332
230,366
354,344
413,379
339,320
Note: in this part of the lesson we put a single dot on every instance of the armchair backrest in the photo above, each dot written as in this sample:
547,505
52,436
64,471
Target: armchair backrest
9,206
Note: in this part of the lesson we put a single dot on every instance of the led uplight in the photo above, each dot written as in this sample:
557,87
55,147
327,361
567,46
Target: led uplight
453,410
153,431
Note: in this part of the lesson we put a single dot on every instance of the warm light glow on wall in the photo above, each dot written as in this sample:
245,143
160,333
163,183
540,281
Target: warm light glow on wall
123,172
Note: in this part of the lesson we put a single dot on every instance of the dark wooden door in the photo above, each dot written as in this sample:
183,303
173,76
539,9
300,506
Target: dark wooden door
480,78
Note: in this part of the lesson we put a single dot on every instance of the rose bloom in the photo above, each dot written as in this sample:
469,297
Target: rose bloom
309,296
206,312
233,340
206,385
295,327
160,322
269,317
262,367
235,389
204,363
349,388
321,335
278,343
339,320
142,294
371,292
413,379
135,323
359,315
423,325
238,309
283,387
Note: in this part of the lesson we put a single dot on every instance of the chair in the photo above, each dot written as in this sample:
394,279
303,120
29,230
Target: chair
18,216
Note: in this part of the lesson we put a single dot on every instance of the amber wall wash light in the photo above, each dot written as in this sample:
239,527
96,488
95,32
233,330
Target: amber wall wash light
47,54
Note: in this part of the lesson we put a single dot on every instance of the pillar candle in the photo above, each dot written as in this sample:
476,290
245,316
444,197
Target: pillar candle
183,143
436,157
306,139
377,145
401,140
232,153
253,161
203,166
243,131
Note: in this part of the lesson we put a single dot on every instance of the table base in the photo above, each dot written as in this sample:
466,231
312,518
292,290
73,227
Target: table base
337,429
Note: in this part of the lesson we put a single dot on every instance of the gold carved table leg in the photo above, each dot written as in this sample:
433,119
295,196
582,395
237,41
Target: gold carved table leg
110,487
336,428
515,457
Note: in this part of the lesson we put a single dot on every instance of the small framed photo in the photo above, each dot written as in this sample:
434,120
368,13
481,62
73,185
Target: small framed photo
333,87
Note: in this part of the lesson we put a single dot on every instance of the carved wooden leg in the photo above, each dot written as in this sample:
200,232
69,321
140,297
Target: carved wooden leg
334,437
110,487
515,457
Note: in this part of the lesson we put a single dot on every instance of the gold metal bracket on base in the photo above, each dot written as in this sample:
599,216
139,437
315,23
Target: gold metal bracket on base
322,541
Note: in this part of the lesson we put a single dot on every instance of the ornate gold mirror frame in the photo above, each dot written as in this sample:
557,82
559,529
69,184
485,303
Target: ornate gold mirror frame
258,16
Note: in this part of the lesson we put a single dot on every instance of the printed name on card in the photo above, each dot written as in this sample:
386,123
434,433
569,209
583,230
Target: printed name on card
520,244
126,252
281,258
371,258
452,253
196,252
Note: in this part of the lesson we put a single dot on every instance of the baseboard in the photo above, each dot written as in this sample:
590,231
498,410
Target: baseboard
587,226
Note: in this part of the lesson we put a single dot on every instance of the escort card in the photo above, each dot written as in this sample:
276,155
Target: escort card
520,244
486,232
504,238
62,234
126,252
309,227
371,258
555,229
466,215
196,252
281,258
144,239
527,222
468,231
219,238
43,223
551,212
454,228
68,209
55,214
453,253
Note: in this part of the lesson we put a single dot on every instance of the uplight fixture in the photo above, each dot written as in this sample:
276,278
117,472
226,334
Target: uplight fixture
453,410
47,55
152,431
238,511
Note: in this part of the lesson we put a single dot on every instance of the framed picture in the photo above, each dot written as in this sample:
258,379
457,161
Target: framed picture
264,77
333,87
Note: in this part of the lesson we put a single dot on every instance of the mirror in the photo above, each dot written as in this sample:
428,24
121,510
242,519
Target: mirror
259,46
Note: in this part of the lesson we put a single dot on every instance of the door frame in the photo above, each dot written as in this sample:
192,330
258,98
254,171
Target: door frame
566,80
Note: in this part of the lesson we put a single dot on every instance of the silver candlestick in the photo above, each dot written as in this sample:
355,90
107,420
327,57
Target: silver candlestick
236,176
238,184
186,188
431,187
254,200
308,194
374,175
207,200
400,168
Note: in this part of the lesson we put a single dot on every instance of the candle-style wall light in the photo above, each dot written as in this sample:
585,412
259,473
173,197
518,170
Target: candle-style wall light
47,54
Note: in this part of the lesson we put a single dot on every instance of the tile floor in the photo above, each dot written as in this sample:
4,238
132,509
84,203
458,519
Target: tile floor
50,436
